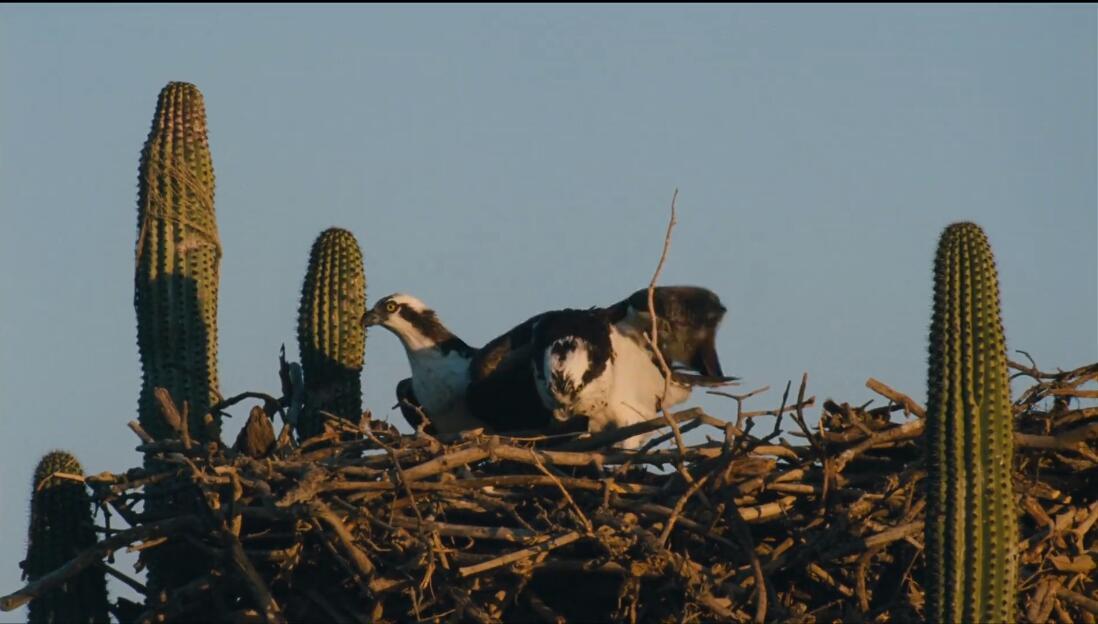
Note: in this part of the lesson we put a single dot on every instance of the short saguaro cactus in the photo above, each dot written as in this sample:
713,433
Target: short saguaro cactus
330,335
60,528
971,527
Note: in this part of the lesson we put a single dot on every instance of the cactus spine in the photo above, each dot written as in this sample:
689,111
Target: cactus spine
971,527
330,335
178,257
60,528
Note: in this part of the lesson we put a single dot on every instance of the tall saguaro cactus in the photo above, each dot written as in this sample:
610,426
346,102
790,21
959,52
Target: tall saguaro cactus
175,294
60,528
330,335
971,527
177,264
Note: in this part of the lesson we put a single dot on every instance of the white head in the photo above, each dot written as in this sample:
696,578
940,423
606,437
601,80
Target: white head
571,348
414,323
563,367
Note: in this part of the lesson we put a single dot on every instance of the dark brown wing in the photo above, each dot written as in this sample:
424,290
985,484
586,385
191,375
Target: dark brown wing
507,398
410,408
505,350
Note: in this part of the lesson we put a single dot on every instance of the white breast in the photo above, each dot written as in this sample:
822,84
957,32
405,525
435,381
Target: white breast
439,381
636,387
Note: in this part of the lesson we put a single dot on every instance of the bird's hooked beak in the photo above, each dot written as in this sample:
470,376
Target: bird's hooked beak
371,318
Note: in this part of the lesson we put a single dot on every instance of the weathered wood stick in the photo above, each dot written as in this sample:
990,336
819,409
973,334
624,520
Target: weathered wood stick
1076,415
137,429
505,534
685,523
608,438
596,458
359,558
264,601
906,431
909,404
1078,599
518,555
1081,394
718,606
445,463
1064,440
134,584
501,481
578,483
894,534
809,402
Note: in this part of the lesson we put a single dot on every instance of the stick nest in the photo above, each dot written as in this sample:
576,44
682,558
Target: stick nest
364,524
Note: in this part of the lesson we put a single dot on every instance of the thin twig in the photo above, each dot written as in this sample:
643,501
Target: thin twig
654,341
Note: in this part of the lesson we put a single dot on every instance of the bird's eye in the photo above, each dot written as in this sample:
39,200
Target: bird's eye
391,307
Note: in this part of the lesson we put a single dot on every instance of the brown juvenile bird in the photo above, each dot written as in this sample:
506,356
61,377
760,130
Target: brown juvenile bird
256,439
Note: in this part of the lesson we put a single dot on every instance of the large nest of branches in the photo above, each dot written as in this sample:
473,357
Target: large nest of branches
794,523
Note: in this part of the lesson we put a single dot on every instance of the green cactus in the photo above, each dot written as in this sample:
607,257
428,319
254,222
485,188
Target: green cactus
175,295
60,528
971,527
330,335
178,256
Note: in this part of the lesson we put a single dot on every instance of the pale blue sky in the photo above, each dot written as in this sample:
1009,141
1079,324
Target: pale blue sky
501,161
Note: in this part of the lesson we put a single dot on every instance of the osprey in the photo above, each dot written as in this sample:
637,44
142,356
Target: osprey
597,363
439,361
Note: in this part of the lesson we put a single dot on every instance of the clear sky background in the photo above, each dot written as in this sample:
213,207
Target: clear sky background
502,161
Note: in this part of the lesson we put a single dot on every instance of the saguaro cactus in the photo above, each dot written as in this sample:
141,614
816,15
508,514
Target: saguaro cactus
330,335
178,258
60,528
971,527
175,294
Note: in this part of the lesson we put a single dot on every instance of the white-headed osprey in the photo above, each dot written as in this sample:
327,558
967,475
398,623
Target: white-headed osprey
439,361
435,396
596,363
